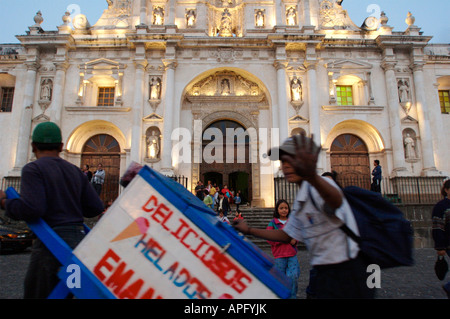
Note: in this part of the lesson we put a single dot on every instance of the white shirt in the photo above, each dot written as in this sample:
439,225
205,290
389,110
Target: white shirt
320,232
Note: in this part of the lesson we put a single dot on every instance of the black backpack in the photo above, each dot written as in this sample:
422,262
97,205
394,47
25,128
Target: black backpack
386,237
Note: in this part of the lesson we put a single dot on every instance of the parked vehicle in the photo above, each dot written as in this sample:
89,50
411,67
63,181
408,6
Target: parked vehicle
14,239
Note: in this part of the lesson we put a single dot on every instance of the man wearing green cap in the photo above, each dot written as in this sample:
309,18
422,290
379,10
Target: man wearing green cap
58,192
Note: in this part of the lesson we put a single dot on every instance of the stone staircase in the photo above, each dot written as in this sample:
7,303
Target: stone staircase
258,218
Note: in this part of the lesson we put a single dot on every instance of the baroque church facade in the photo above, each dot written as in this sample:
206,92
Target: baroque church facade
203,89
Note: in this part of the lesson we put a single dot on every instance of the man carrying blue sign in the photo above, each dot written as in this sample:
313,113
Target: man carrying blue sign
58,192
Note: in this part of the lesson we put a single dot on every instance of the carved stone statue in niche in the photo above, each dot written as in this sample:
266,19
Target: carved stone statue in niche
296,89
158,15
403,91
410,147
291,16
46,90
259,17
155,88
226,24
225,87
190,17
153,145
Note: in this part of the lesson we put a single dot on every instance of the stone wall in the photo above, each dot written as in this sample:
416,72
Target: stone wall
420,217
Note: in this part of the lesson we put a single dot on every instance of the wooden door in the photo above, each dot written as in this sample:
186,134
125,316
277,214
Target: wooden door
350,159
104,149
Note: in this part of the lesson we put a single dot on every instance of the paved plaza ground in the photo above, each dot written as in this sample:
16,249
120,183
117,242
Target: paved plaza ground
415,282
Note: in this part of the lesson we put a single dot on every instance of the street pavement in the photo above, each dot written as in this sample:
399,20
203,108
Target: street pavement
415,282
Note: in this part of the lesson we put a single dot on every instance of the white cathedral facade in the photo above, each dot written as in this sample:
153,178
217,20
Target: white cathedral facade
202,89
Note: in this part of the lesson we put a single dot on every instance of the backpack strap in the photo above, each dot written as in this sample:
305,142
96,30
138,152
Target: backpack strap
344,227
350,233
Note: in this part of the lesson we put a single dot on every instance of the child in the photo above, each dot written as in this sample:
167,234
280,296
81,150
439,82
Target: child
223,218
285,254
237,200
237,215
208,200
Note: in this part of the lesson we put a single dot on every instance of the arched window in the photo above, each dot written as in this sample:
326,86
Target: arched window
101,143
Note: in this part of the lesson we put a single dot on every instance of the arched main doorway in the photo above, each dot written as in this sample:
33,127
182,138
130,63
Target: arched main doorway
232,165
104,149
350,159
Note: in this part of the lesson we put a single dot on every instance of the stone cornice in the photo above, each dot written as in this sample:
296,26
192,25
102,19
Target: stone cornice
47,40
407,41
353,108
97,109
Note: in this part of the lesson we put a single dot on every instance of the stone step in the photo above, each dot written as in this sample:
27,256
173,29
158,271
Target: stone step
258,218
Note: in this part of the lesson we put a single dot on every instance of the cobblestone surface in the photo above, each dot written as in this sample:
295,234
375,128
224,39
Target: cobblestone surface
415,282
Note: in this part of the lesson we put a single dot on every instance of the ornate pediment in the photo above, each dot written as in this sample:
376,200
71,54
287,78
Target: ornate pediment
297,119
153,118
347,64
409,120
101,63
41,118
226,84
102,67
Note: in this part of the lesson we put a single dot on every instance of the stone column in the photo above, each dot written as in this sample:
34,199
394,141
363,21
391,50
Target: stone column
369,88
306,13
314,109
394,118
424,121
169,116
143,12
138,104
58,91
278,12
23,143
171,15
436,119
313,103
283,122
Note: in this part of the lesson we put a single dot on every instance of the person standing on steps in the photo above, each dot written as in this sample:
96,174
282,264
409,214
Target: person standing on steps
98,179
285,254
376,179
